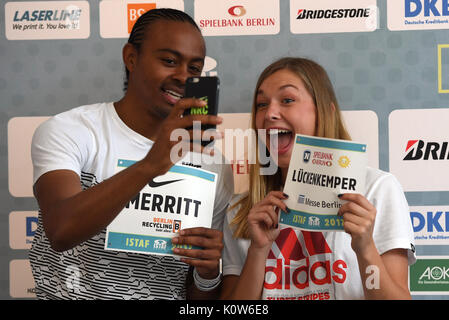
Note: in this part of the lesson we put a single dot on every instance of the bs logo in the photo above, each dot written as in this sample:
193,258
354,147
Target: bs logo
135,10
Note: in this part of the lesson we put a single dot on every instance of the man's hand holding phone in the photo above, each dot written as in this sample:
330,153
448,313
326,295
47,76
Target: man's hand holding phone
205,89
177,136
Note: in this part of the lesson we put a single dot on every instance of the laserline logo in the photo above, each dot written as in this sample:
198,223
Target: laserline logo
38,20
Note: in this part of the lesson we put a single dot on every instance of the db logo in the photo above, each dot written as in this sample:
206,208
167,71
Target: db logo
237,11
135,10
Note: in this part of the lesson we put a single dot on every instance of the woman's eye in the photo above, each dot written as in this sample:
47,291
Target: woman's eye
287,100
260,105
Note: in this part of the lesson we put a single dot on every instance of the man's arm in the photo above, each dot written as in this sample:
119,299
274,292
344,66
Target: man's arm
71,215
206,260
193,293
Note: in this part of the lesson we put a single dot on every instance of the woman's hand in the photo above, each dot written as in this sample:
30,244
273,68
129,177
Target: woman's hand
263,220
358,220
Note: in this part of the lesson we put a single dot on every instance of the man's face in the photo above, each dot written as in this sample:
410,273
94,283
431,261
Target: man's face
171,52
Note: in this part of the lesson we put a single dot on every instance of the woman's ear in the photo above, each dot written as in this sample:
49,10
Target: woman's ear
333,107
129,54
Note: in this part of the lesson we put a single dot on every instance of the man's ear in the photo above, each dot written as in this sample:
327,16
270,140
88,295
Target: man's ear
129,54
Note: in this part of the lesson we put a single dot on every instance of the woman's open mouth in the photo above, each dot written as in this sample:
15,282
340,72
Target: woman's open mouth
280,140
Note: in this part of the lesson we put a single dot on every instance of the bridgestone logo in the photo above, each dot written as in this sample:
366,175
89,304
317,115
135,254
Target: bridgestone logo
420,150
304,14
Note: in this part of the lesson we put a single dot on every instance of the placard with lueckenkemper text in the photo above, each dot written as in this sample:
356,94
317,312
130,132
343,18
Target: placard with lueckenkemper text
320,169
182,198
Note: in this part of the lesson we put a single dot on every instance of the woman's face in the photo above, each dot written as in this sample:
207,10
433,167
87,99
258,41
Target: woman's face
284,107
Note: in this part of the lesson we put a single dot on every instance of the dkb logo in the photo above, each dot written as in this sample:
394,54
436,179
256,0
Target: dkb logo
414,7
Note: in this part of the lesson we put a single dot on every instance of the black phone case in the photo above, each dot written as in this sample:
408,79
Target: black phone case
204,88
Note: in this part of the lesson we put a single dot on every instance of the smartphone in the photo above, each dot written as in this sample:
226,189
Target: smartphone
203,88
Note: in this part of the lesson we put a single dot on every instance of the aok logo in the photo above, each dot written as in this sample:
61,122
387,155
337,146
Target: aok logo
302,271
435,273
237,11
135,10
434,8
418,149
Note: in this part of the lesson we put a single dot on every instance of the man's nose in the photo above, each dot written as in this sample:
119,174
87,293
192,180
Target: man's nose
181,74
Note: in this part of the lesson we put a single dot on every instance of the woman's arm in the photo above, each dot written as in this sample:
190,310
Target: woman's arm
263,229
249,285
383,276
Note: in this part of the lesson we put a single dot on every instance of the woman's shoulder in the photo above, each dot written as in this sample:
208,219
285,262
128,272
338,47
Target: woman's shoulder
382,185
375,177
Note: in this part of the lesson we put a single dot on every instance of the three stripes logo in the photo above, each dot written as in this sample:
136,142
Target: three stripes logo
290,264
289,246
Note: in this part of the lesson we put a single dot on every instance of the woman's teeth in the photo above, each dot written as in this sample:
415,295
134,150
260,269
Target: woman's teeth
278,131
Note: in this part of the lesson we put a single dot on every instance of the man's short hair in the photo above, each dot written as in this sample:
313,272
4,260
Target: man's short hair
137,35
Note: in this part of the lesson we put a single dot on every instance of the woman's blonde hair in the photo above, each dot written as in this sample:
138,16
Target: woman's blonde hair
329,124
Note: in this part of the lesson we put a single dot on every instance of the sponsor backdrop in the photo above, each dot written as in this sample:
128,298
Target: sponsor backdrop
388,60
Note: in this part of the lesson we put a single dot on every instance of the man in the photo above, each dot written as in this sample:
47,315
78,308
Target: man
82,145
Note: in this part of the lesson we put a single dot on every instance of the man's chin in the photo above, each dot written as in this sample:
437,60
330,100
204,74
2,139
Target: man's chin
161,111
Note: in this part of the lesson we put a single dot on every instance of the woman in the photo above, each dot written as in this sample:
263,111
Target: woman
367,261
